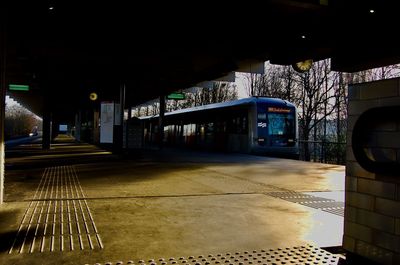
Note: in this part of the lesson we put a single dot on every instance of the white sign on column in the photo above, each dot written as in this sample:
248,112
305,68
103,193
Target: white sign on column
117,116
106,122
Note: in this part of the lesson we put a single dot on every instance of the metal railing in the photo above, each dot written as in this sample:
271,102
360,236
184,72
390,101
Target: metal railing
323,151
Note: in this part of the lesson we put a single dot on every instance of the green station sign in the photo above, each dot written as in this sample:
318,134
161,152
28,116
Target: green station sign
14,87
176,95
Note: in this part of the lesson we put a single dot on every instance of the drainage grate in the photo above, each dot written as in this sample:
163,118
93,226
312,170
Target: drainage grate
327,205
308,255
58,217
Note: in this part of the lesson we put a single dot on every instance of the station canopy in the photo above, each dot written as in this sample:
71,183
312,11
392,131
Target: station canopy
66,50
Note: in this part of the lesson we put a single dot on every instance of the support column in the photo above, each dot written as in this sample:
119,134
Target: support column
96,128
161,122
46,137
54,128
78,126
3,87
129,113
118,137
127,124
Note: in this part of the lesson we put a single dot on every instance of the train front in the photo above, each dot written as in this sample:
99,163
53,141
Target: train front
276,128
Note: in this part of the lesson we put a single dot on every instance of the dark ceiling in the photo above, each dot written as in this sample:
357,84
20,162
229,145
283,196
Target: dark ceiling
79,47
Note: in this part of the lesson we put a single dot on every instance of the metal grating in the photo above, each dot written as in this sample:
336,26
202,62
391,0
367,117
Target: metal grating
303,255
58,217
327,205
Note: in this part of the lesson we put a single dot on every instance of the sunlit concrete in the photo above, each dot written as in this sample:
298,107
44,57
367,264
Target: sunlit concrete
178,203
333,195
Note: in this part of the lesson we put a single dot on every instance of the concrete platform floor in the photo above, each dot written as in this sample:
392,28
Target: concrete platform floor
168,203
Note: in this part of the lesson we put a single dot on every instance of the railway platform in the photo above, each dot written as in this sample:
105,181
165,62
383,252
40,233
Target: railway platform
79,204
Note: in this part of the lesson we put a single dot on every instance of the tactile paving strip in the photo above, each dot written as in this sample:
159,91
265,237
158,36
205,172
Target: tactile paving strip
58,216
327,205
303,255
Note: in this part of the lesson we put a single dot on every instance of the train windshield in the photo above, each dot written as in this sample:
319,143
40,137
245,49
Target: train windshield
281,127
280,124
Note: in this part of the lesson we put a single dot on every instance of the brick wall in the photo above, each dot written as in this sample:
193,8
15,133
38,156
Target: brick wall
372,214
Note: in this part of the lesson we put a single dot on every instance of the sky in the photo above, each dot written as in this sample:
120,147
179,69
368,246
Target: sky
10,101
240,82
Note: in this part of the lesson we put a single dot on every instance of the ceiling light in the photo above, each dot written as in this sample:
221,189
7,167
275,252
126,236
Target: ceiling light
372,11
51,7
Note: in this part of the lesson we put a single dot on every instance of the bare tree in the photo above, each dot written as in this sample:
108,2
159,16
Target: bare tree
220,92
278,81
147,109
386,72
313,92
253,83
321,98
379,73
316,100
341,117
19,121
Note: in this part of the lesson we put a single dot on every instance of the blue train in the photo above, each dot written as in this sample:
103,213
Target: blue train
257,125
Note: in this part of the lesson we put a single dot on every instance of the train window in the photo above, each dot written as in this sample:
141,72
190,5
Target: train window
238,128
202,132
232,126
280,124
244,124
220,126
189,129
238,125
210,127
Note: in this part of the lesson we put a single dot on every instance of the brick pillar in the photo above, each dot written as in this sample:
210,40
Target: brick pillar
372,214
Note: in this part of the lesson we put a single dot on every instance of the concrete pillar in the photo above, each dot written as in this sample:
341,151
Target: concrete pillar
54,128
2,144
96,128
46,137
372,213
3,87
129,113
161,121
127,125
118,137
78,126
